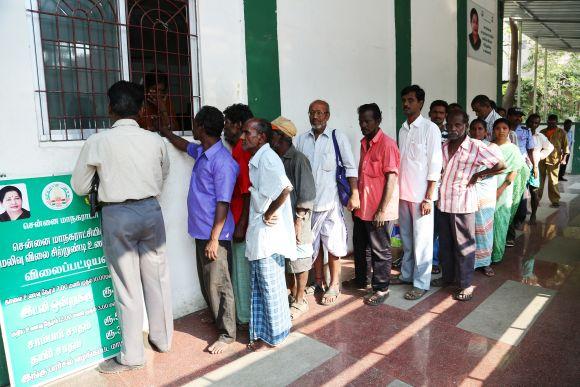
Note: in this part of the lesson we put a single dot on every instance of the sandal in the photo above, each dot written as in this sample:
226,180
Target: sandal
398,281
377,299
488,271
298,309
415,294
314,289
435,269
460,296
333,291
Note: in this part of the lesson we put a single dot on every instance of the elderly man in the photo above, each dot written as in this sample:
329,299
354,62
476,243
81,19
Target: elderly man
379,203
421,160
132,164
302,198
210,222
319,145
270,238
235,116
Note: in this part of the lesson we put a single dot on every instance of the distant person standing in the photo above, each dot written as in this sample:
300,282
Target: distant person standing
438,115
566,160
481,105
550,166
543,147
132,164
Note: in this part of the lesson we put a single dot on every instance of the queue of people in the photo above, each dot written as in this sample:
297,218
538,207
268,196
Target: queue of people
266,203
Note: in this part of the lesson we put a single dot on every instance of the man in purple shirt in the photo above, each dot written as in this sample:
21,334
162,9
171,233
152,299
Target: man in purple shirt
210,220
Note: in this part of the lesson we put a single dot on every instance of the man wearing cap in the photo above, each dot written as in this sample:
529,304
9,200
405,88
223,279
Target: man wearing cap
302,198
526,144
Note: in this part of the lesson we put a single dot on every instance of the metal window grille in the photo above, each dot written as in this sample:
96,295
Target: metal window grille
81,48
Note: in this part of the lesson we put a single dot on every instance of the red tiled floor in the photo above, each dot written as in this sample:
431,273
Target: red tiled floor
419,346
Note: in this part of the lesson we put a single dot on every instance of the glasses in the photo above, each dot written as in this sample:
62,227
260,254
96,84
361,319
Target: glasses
317,113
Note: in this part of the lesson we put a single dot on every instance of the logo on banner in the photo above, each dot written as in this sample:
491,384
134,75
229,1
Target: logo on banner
57,196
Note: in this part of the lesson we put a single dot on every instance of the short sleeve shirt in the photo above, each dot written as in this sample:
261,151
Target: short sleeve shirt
378,158
242,186
525,139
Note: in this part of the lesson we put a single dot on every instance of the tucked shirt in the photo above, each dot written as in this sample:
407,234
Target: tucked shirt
457,196
525,139
299,173
559,139
420,147
242,186
320,153
378,158
212,180
132,163
268,180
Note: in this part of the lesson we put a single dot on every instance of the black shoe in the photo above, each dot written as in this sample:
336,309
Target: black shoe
555,205
562,179
112,366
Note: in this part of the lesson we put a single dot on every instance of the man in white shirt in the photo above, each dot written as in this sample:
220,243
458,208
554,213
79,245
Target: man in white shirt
328,224
270,238
132,164
481,105
421,162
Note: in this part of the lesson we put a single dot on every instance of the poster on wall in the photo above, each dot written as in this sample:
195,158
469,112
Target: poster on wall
481,33
56,300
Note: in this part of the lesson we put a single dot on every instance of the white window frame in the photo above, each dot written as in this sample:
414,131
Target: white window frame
46,135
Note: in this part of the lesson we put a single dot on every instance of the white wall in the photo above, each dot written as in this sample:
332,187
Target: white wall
481,77
434,49
223,82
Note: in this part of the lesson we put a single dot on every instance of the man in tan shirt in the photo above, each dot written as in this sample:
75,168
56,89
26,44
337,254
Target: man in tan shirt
132,164
550,166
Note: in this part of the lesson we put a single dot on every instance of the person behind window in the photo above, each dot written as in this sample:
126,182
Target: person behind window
474,39
11,199
157,109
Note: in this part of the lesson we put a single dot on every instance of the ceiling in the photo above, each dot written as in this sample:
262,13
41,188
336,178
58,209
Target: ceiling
555,24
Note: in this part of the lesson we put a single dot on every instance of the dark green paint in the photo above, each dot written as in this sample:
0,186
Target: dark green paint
402,54
500,7
462,53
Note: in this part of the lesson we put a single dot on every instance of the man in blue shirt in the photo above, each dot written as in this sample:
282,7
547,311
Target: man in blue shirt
210,220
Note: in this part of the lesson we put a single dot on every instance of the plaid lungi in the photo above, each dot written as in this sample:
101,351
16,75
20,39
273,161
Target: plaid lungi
241,282
270,314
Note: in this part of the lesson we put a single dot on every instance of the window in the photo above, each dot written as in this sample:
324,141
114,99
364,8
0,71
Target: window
84,46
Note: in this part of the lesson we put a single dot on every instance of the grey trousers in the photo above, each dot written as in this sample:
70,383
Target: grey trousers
216,287
134,244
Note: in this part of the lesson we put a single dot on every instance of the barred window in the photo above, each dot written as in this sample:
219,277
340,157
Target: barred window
82,47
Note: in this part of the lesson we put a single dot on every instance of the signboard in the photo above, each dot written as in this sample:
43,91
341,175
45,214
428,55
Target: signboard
481,36
56,300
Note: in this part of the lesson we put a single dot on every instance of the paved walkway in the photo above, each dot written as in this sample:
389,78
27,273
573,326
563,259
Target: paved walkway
521,328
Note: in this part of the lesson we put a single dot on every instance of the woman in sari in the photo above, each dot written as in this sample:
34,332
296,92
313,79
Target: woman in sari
511,184
486,189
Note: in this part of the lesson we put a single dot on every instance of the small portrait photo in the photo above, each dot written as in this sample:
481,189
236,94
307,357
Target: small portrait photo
13,202
474,38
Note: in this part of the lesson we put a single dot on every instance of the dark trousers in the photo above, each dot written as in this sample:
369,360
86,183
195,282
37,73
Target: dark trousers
457,247
216,286
519,218
372,250
562,171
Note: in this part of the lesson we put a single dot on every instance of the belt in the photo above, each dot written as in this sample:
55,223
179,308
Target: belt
104,204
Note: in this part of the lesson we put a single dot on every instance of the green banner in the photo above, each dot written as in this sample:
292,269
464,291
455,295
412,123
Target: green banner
56,299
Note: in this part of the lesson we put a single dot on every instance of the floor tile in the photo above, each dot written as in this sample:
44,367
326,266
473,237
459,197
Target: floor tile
575,222
263,368
560,250
398,383
574,186
508,313
544,212
396,297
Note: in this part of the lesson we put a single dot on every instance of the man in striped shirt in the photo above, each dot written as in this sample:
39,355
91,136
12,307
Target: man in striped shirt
462,156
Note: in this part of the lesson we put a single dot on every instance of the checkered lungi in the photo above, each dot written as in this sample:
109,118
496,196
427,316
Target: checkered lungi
270,315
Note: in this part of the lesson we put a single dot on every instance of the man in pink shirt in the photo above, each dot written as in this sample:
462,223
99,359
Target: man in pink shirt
462,157
379,204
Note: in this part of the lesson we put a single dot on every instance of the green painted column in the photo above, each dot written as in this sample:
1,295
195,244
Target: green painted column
499,63
576,155
263,74
462,53
402,53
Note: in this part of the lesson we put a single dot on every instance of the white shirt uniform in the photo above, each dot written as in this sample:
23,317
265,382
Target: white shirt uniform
421,158
132,163
320,153
269,179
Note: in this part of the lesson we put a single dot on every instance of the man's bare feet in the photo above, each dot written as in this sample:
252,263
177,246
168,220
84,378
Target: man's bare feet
259,346
218,347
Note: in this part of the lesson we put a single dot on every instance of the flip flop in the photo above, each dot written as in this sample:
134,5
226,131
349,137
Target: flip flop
333,291
376,299
488,271
459,296
415,294
298,309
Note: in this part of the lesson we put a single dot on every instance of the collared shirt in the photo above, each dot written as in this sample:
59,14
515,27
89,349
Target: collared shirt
525,140
457,196
268,181
378,158
542,149
570,135
132,163
489,120
420,147
320,153
212,180
559,139
299,173
242,186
